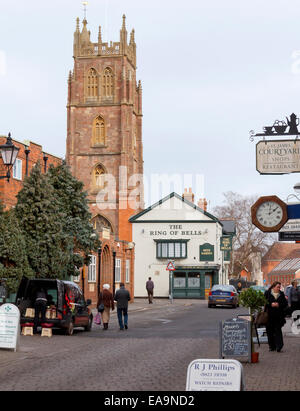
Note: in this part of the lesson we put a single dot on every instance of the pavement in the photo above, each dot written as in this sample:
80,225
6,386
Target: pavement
273,372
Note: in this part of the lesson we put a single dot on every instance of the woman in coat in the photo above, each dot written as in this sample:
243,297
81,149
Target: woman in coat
275,307
106,298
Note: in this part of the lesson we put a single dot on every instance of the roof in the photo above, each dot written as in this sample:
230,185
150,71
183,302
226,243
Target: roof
228,227
137,216
289,265
279,251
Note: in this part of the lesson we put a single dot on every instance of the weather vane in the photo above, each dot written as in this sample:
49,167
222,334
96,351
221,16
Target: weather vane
85,3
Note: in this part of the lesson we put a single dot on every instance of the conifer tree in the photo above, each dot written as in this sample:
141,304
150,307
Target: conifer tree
73,203
42,222
13,258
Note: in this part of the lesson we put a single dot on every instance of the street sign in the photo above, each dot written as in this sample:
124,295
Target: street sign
293,211
291,226
215,375
289,236
171,266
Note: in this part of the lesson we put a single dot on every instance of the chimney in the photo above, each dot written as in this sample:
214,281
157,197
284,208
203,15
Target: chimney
202,203
188,195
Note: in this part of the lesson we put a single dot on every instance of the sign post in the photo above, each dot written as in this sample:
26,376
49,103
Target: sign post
171,268
9,326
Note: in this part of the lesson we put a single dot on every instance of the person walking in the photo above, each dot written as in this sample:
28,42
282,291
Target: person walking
106,298
40,306
293,297
275,307
122,296
150,288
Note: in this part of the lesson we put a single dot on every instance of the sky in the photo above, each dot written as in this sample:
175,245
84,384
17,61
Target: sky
210,71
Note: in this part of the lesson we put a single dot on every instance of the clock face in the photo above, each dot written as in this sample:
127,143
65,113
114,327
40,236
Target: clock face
269,214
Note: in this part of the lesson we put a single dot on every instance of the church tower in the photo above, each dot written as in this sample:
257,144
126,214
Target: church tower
104,128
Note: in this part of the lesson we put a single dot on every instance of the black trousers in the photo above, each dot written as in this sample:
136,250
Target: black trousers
40,307
275,338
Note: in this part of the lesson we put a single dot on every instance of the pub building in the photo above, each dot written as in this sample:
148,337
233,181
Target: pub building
175,229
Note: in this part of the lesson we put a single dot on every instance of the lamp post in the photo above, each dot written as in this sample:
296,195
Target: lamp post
114,271
9,154
99,266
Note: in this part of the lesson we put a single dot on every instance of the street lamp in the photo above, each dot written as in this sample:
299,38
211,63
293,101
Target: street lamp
9,154
114,271
99,266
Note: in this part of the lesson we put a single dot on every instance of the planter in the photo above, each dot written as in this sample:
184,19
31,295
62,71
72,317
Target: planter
254,357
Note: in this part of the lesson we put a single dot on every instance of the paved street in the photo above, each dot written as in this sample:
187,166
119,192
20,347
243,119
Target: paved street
153,354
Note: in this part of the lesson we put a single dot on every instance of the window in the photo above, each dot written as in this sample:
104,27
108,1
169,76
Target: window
92,84
99,176
127,273
171,249
17,169
92,270
108,83
98,133
118,270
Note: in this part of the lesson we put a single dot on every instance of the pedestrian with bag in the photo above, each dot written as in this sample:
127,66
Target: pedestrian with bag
275,307
150,288
122,296
293,298
105,304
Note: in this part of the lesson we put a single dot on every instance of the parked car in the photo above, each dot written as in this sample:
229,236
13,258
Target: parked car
70,309
223,295
259,288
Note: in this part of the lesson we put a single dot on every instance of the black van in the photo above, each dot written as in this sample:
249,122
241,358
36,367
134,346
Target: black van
70,308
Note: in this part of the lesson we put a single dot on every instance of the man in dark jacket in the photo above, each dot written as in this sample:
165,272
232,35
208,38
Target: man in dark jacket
122,297
150,288
40,306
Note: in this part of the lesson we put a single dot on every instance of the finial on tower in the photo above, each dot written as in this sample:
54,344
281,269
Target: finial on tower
99,36
85,4
77,24
124,22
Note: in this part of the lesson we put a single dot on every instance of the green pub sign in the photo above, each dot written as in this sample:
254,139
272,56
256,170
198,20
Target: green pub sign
207,252
226,243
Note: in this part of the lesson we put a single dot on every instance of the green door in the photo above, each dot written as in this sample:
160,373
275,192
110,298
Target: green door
188,284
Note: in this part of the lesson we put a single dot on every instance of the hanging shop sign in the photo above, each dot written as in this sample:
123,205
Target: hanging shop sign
278,156
207,252
226,243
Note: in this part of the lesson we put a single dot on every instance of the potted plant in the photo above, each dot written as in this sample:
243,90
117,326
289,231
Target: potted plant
254,300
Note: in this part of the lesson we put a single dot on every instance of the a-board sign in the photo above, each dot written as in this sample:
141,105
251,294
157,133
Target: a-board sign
214,375
235,338
9,326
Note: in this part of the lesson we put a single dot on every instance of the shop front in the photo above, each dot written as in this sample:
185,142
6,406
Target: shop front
193,282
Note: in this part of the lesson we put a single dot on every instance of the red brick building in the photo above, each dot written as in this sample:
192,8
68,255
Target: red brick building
29,154
104,149
278,252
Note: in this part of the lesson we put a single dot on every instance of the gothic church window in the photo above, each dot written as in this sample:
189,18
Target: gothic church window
98,131
99,176
108,83
92,85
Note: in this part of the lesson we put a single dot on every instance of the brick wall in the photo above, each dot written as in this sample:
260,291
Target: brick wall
9,190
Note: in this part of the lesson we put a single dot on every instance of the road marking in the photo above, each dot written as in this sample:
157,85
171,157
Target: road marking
163,320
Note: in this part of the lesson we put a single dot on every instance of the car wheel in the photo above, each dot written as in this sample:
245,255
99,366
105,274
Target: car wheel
70,328
89,326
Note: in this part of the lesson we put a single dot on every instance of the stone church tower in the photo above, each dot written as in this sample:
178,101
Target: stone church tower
104,132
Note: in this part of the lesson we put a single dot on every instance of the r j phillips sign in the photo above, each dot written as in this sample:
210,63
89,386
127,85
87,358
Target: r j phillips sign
278,157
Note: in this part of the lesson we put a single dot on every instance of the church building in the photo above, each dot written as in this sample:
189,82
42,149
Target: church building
104,149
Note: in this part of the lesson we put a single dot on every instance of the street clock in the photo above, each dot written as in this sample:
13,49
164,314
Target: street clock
269,214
